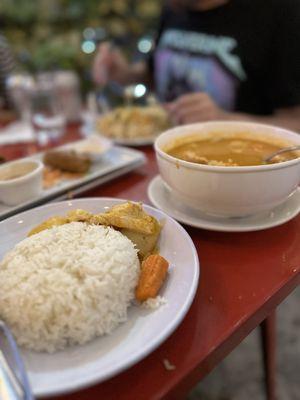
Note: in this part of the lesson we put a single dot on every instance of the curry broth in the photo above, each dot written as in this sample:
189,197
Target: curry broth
228,151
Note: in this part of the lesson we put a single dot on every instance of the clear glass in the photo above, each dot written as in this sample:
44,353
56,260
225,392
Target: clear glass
68,88
18,88
47,118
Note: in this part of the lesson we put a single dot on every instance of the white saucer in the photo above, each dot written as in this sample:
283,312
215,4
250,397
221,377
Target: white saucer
162,198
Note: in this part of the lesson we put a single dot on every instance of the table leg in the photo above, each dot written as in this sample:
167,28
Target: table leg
268,337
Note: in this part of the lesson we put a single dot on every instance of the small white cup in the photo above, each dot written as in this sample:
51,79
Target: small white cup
20,181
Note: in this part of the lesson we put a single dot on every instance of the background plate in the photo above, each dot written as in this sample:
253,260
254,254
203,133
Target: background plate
134,142
115,162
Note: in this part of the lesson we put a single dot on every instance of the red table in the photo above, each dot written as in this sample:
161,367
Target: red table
244,276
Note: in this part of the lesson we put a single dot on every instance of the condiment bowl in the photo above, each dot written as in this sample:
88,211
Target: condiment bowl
229,191
20,181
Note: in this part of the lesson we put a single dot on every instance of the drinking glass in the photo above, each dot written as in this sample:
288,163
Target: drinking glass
19,86
47,118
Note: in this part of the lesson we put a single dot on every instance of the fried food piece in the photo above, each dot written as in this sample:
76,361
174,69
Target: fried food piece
130,216
153,274
72,216
67,160
49,223
79,216
146,244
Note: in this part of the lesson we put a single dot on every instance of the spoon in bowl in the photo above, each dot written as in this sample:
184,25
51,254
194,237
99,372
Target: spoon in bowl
281,151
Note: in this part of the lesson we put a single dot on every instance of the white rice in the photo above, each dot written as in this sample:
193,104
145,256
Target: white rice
154,303
67,285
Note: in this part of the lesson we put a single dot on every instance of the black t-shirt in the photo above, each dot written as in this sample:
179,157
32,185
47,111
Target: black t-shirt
245,54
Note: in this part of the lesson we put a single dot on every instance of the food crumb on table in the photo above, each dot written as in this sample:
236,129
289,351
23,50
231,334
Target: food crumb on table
168,366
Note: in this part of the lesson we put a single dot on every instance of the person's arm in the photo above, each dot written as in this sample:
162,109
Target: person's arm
110,64
199,107
288,118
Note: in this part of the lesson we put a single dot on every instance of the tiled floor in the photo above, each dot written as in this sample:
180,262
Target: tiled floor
240,375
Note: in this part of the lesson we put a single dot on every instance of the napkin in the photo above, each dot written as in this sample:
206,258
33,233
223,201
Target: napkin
16,132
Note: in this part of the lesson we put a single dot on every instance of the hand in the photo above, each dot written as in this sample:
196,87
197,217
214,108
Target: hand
109,64
194,107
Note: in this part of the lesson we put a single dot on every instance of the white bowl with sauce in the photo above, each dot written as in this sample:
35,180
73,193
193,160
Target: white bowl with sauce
20,181
229,191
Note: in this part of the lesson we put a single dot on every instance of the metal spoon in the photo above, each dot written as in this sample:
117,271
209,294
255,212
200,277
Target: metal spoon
129,93
14,384
292,148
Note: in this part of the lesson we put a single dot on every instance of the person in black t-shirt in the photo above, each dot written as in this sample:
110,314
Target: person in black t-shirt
220,60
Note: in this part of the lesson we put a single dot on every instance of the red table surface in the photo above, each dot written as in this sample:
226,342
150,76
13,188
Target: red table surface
244,276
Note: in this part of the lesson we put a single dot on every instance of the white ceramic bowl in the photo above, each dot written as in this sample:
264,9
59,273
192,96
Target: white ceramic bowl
228,191
25,181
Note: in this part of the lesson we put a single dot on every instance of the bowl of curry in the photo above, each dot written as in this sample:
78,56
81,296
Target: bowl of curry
218,167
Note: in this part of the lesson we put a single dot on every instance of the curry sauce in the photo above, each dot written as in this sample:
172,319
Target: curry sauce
228,151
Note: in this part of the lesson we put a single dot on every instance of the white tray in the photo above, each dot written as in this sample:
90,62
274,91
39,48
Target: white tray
116,162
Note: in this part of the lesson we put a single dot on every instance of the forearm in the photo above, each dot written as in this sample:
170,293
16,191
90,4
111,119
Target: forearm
286,119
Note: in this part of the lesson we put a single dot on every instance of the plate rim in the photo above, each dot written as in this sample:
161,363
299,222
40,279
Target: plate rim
135,142
151,346
206,225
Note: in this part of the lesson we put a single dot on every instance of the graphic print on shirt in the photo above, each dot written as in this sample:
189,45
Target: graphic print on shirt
191,62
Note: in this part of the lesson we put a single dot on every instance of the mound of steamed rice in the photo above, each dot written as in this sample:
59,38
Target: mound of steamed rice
67,285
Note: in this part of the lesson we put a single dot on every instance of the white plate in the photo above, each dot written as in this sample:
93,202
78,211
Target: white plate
160,195
115,162
133,142
81,366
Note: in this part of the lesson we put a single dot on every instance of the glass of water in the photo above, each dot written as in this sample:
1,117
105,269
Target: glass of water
47,119
19,86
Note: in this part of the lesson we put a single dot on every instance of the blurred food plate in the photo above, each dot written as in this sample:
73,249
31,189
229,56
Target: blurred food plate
133,125
109,163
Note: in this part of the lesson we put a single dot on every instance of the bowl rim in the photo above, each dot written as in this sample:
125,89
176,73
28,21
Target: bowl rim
15,181
219,168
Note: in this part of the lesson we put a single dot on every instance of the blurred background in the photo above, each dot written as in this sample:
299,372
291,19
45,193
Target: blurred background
63,34
51,35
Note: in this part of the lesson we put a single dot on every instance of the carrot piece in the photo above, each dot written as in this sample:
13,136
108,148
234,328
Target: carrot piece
153,273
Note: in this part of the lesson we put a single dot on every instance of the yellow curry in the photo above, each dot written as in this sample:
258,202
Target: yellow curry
227,151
